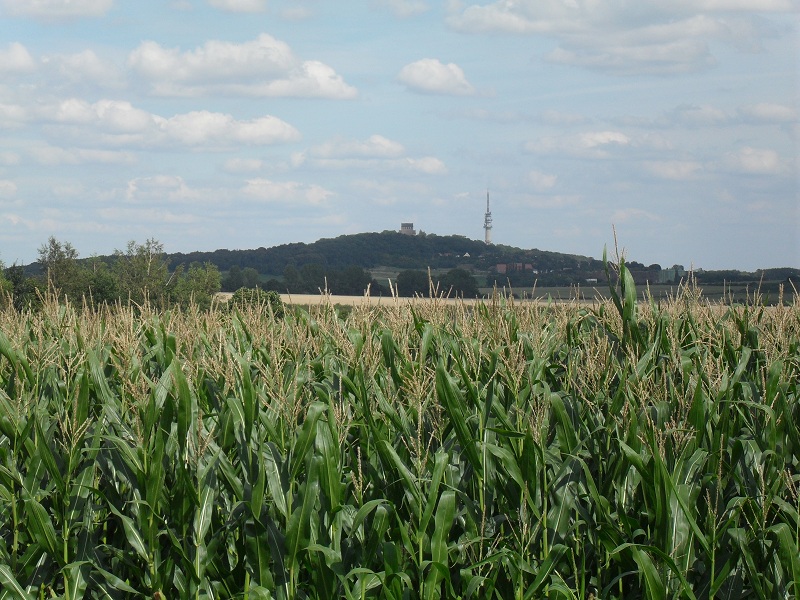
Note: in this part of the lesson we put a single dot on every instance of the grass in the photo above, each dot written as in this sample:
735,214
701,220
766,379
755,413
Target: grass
432,449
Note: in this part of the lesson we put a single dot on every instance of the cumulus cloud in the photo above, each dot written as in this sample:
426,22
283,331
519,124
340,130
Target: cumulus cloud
373,147
118,122
56,9
159,188
406,8
54,155
691,114
625,215
84,66
376,152
541,181
754,161
15,58
765,112
676,170
243,165
286,192
431,76
12,115
588,144
626,37
241,6
8,189
262,67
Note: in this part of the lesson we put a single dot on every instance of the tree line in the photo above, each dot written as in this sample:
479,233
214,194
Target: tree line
138,274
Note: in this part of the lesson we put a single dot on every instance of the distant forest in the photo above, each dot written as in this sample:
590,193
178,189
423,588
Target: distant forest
387,263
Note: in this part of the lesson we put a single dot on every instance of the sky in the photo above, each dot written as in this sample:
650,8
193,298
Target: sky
207,124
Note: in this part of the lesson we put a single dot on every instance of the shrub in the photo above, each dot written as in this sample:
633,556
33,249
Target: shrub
245,298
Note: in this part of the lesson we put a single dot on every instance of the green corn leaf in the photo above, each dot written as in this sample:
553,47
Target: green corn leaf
305,438
41,527
441,460
11,585
410,485
205,511
278,488
453,403
788,551
132,533
299,527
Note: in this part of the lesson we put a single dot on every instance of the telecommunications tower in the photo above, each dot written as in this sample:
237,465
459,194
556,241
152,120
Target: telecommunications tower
487,222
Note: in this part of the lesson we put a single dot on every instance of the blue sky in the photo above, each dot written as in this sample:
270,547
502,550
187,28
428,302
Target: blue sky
244,123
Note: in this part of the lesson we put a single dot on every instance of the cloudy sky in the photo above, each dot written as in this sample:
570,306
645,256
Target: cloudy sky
243,123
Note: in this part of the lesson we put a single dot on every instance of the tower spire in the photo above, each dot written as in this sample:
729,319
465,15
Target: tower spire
487,222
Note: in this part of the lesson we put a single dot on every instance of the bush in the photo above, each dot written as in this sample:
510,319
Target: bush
257,298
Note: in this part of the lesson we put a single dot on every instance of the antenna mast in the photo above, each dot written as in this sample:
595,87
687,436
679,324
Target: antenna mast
487,222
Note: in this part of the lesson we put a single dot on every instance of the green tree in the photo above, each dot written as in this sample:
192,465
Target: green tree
24,291
460,282
62,273
292,280
250,278
6,288
246,298
197,285
313,276
233,280
412,283
103,286
143,273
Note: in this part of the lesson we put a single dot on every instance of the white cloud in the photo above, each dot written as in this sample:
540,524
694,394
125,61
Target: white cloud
241,6
769,113
9,158
624,215
557,117
53,155
430,76
541,181
85,66
754,161
406,8
589,144
691,114
117,122
548,201
596,144
160,188
627,36
12,115
8,189
262,67
57,9
204,127
376,146
678,170
376,152
16,59
286,192
243,165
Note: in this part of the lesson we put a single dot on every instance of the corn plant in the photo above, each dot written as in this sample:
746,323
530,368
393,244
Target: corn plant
417,449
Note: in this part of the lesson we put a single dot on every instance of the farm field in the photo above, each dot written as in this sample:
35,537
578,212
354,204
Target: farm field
411,449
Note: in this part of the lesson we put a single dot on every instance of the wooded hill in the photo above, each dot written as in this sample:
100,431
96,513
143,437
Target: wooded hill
388,249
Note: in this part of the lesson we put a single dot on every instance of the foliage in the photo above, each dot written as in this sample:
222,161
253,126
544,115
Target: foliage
197,285
59,261
263,302
143,273
420,449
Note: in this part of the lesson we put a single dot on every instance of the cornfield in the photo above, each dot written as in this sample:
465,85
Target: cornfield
412,450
